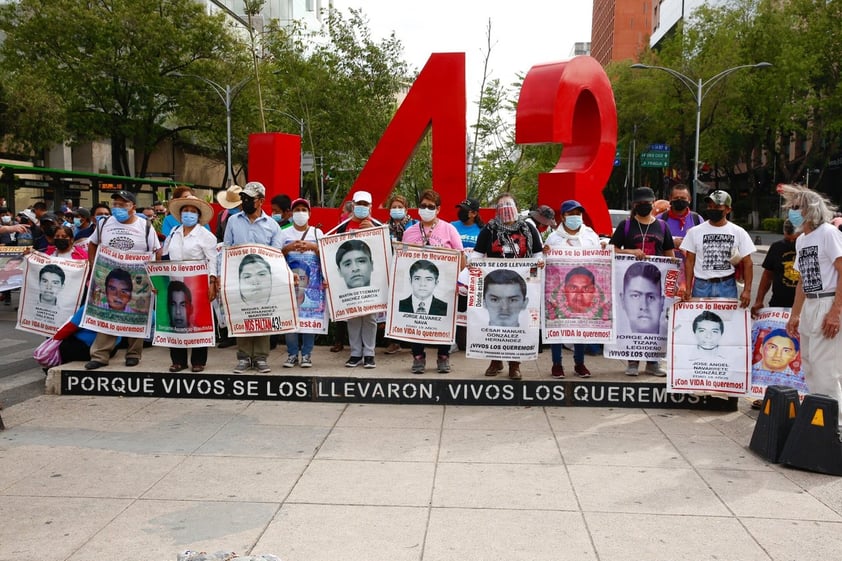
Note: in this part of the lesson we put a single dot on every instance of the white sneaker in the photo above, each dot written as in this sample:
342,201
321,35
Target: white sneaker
306,362
291,361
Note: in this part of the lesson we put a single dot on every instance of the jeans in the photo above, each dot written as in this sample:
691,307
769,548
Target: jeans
578,353
418,350
307,342
706,289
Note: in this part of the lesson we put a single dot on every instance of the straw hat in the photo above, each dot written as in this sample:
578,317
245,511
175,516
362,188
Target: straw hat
205,210
230,198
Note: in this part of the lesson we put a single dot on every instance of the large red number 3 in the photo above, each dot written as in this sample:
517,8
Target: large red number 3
572,103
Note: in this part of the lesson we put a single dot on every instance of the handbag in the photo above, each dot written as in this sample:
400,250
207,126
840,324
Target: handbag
47,353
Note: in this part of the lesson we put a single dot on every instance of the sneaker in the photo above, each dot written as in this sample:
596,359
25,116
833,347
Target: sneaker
631,371
306,362
419,363
656,370
243,364
261,365
292,360
443,364
354,361
557,371
582,371
393,348
368,362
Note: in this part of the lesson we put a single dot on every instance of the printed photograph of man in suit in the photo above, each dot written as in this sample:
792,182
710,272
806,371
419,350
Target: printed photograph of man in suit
423,278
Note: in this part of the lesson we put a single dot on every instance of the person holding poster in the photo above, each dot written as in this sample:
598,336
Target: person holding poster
572,232
251,226
124,231
429,231
300,245
399,221
507,236
189,240
643,235
816,312
62,246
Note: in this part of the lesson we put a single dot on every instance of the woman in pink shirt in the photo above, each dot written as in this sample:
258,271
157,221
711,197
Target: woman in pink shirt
431,231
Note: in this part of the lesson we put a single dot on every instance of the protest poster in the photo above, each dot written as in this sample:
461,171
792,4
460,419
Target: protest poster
310,294
51,293
776,355
422,297
183,316
578,296
11,267
504,309
356,265
258,291
643,291
119,295
707,347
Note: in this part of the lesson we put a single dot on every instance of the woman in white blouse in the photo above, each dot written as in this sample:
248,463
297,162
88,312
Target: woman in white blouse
191,241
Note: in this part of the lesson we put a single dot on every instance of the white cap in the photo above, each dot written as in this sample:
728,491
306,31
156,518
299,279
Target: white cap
362,196
255,190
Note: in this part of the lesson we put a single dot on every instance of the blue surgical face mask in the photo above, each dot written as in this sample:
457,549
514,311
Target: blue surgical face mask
795,217
77,222
189,219
397,213
573,222
361,211
277,217
121,214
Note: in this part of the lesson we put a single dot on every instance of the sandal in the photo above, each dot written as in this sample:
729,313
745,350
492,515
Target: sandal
197,368
176,368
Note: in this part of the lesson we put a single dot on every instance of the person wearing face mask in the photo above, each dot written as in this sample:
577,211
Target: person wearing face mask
169,221
82,225
190,241
436,233
543,218
817,310
360,217
507,236
469,223
643,235
399,221
713,249
282,210
6,219
571,232
62,246
48,224
298,240
679,219
127,232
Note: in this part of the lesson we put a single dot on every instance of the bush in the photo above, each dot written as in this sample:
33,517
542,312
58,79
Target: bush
775,225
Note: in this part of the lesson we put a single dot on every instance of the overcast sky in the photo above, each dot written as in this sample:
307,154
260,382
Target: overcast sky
523,33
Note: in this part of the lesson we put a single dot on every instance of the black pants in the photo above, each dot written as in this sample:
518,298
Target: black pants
198,356
73,350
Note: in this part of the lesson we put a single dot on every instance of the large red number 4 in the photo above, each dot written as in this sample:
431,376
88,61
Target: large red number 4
572,103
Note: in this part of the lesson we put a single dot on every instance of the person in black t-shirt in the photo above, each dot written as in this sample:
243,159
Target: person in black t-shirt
778,272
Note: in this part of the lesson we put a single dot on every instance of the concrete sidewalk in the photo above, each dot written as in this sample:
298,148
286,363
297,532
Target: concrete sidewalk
142,479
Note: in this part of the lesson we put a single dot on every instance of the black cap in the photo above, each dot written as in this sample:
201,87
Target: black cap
50,217
642,194
125,195
470,204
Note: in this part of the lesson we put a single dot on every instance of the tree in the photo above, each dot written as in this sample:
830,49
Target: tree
102,68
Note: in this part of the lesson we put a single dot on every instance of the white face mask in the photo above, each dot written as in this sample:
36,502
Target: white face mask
427,214
6,219
300,218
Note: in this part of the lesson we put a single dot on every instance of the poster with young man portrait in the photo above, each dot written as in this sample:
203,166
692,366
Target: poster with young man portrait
707,347
183,315
423,294
120,294
258,291
578,296
504,309
776,355
644,289
356,267
51,293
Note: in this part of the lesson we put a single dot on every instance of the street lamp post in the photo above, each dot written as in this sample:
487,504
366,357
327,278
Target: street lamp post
699,90
227,94
300,123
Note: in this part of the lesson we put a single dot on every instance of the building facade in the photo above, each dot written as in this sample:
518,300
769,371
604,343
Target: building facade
620,29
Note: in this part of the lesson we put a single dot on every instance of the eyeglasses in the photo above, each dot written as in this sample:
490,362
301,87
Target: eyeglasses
428,207
796,207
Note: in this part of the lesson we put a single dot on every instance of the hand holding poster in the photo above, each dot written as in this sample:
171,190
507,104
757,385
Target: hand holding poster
776,357
579,306
504,309
51,294
644,290
356,265
183,316
422,298
257,291
708,347
119,295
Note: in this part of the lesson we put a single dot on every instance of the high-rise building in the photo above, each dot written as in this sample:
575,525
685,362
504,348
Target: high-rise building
581,48
667,13
283,11
620,29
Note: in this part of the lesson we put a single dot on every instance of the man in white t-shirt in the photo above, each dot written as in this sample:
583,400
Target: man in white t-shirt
816,312
711,251
125,231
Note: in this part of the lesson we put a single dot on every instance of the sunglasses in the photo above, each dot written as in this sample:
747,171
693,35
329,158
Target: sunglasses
428,207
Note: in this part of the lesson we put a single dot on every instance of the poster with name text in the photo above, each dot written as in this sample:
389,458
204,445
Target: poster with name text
183,316
776,355
51,294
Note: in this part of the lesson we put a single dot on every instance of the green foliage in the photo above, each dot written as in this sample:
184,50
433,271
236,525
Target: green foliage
775,225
